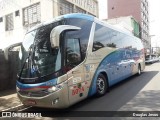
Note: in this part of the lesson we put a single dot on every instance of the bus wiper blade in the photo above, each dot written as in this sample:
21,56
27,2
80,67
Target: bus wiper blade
23,68
34,64
36,69
31,64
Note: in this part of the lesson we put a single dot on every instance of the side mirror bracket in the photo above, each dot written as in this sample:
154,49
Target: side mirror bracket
55,33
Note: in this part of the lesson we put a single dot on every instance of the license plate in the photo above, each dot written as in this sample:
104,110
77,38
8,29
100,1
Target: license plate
30,102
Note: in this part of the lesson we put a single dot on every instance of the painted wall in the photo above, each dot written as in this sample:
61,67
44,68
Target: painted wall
8,71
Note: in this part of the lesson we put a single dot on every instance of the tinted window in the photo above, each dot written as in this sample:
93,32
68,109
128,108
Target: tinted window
104,37
83,34
73,53
42,40
107,37
37,56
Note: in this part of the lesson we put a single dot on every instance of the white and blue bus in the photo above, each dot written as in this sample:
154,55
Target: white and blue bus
73,57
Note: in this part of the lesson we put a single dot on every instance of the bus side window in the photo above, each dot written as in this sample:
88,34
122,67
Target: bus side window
73,53
104,37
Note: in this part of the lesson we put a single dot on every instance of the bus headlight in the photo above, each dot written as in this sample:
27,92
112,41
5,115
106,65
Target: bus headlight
55,88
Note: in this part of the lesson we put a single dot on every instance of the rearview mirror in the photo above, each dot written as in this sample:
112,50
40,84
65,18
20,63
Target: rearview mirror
7,49
55,33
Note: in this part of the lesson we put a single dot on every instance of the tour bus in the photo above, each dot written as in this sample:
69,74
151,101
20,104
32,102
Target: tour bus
73,57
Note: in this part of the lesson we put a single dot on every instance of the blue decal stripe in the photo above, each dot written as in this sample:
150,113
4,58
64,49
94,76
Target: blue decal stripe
121,59
28,86
92,89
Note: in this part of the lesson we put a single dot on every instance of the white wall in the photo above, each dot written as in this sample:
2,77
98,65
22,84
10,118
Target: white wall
123,23
127,20
49,10
103,9
46,10
17,34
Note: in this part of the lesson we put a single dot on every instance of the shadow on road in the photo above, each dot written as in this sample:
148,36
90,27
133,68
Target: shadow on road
7,92
149,64
119,95
6,103
144,101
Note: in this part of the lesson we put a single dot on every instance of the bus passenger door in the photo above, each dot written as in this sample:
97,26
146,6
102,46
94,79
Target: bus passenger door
76,84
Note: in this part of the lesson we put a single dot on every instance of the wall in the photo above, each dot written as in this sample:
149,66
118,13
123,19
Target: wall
8,71
119,8
17,34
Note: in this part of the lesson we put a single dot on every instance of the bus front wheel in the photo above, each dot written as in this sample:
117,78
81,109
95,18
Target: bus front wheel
139,70
101,85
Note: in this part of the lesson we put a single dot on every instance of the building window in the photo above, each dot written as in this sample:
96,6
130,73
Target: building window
31,15
17,13
65,7
9,22
79,10
1,19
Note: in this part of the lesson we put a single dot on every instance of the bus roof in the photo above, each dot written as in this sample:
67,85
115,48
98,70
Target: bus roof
79,15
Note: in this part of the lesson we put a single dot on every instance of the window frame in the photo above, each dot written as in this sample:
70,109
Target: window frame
17,13
1,19
9,24
30,16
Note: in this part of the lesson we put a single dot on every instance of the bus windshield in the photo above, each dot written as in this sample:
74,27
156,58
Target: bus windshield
36,55
40,62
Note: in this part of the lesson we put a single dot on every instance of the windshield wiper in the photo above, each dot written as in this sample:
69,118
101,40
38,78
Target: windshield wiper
31,63
34,64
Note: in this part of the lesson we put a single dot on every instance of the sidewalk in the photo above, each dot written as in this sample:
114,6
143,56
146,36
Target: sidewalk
8,99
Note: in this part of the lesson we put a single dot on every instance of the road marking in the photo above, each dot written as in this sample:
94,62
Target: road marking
20,107
25,108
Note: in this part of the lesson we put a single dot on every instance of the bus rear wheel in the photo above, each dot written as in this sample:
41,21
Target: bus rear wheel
101,85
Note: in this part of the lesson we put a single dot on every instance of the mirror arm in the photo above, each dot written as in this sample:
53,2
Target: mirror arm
55,33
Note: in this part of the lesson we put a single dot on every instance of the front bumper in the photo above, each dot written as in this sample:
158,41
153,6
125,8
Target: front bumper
58,99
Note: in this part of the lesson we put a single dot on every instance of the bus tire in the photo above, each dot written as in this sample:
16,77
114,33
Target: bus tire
139,70
101,85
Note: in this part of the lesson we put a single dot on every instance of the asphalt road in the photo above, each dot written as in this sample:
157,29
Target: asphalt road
137,93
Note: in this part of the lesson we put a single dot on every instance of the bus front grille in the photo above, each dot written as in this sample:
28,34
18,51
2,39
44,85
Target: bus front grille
41,93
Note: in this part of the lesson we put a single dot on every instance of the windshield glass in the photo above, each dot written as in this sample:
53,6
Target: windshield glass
36,55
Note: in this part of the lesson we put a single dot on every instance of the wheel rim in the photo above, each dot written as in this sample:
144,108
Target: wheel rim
100,85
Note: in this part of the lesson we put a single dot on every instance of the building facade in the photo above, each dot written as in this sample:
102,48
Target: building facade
128,23
17,16
136,8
